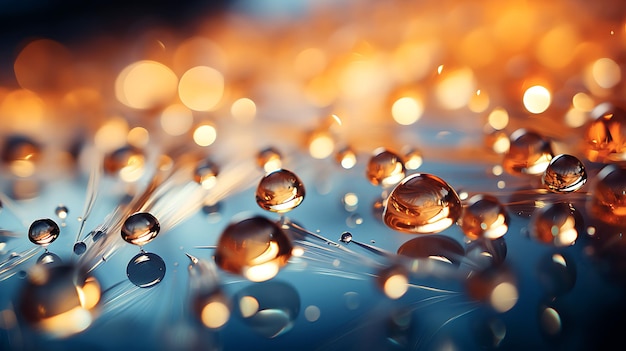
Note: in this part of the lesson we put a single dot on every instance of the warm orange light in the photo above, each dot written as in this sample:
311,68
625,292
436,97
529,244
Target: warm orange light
201,88
537,99
145,84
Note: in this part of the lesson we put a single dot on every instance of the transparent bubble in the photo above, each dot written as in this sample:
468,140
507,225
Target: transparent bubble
436,248
421,204
269,159
59,300
280,191
43,232
564,174
126,162
557,274
484,253
605,138
608,195
385,168
484,216
346,237
393,281
21,154
255,248
140,228
206,173
96,235
529,153
559,224
80,247
145,270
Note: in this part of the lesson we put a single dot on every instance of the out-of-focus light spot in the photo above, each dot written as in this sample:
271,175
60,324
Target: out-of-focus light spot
498,118
575,118
606,73
243,110
439,69
297,251
363,78
138,137
23,109
312,313
205,135
145,84
501,144
413,159
537,99
501,184
215,314
550,321
497,170
321,91
43,65
396,286
413,60
201,88
504,296
514,28
407,110
554,43
111,135
456,89
248,306
321,145
479,102
583,102
310,62
350,201
176,119
478,38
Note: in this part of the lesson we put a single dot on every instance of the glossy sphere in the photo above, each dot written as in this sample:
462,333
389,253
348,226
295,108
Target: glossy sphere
558,224
608,196
280,191
484,217
145,270
346,157
205,173
529,153
385,168
346,237
140,228
127,162
422,204
59,300
269,159
606,136
564,174
43,232
255,248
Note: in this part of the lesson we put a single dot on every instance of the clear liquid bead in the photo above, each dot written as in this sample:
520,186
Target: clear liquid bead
385,168
605,138
529,153
346,237
280,191
255,248
43,232
608,195
206,173
422,204
269,159
484,217
140,228
61,211
559,224
146,269
564,174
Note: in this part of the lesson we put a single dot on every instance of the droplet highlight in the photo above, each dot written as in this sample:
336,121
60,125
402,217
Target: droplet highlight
385,168
484,217
43,232
529,153
558,224
564,174
140,228
608,195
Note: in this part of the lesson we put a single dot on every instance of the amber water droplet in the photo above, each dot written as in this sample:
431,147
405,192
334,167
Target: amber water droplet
127,162
606,135
346,237
437,248
421,204
206,173
145,270
608,195
346,157
43,232
385,168
564,174
255,248
21,154
529,153
61,211
559,224
269,159
484,217
140,228
280,191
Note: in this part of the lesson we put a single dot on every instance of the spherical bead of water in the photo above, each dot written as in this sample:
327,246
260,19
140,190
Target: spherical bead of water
484,216
43,232
280,191
385,168
140,228
564,174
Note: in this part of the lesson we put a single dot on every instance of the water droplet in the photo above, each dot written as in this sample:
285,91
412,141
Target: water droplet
346,237
127,162
385,168
140,228
269,159
205,173
80,247
435,248
393,281
550,321
498,141
21,154
413,159
145,270
49,258
557,274
608,195
59,300
280,191
346,157
564,174
484,217
421,204
606,134
43,232
558,224
529,153
255,248
61,211
484,253
498,287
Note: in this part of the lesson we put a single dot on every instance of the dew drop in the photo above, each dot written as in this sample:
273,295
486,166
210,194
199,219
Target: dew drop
558,224
21,154
126,162
422,204
606,135
484,217
564,174
434,248
43,232
255,248
280,191
140,228
385,168
608,196
346,157
61,211
206,173
269,159
145,270
346,237
80,247
529,153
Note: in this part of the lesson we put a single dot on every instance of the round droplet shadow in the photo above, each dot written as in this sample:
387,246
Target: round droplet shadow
146,270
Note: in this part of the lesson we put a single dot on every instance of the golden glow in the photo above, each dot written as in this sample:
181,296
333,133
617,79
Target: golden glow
176,119
201,88
138,137
553,45
504,296
248,306
497,170
145,84
215,314
205,135
498,118
24,109
407,110
606,73
583,102
261,272
575,118
350,201
133,170
396,286
22,168
456,89
321,145
111,135
479,102
310,62
551,321
89,294
297,251
67,323
243,110
537,99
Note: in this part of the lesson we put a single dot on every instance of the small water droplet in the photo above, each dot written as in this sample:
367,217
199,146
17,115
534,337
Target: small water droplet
422,203
385,168
140,228
206,173
604,139
61,211
80,247
558,224
346,237
529,153
269,159
280,191
346,157
127,162
564,174
413,159
145,270
484,216
43,232
608,195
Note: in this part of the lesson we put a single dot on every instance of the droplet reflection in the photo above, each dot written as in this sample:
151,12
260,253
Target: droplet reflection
558,224
564,174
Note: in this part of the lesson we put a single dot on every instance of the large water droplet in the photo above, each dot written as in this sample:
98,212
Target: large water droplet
385,168
280,191
49,258
255,248
421,204
529,153
435,248
140,228
608,195
484,216
606,135
206,173
558,224
43,232
145,270
346,237
564,174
